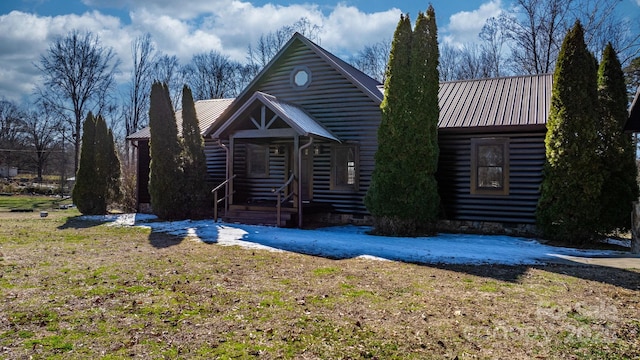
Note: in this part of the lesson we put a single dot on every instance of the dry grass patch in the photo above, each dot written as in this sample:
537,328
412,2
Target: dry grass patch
71,289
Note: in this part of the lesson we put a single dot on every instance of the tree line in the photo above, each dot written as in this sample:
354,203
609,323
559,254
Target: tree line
79,72
78,78
524,40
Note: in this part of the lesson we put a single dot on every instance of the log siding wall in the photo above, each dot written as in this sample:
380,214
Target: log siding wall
526,161
340,106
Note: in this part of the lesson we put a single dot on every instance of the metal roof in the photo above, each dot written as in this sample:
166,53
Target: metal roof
298,119
208,111
497,102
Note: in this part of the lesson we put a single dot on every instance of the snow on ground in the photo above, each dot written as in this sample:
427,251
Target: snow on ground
343,242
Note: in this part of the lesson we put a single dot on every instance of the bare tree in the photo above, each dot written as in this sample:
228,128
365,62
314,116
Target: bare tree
78,77
449,58
167,70
632,77
245,74
493,41
536,32
11,137
372,60
471,63
137,108
269,44
213,76
537,27
42,130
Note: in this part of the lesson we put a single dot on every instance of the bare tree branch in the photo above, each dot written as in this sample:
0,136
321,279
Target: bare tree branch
78,77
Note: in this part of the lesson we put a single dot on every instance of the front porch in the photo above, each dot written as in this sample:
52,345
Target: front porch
271,147
265,213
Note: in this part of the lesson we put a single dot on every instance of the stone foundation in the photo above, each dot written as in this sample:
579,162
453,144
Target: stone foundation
338,219
488,228
446,226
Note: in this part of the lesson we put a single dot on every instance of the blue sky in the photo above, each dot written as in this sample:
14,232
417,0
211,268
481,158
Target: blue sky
27,27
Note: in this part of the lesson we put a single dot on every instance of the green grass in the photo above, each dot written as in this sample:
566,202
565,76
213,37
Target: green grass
24,202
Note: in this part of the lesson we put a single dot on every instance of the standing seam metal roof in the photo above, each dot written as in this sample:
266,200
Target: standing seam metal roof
207,111
497,102
506,101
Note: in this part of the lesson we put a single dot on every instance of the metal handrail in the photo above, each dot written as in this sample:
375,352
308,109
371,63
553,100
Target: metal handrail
223,183
216,201
279,202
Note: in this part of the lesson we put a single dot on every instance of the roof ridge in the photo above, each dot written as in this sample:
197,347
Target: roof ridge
497,78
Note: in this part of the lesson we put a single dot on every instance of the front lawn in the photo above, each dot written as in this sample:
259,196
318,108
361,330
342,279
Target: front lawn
79,289
31,203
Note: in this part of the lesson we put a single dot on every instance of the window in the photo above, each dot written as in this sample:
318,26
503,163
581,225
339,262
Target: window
344,174
257,160
490,166
300,77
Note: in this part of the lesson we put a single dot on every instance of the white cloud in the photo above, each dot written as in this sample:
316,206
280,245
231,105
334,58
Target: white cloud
25,37
227,26
465,26
363,28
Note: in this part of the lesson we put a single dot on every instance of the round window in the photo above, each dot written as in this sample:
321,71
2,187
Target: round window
301,77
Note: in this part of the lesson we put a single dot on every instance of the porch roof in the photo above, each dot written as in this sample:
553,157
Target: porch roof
294,116
633,123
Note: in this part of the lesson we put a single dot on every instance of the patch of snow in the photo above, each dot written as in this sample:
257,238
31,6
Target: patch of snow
619,242
120,219
342,242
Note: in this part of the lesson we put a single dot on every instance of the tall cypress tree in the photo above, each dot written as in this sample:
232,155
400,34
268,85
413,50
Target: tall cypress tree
165,177
98,178
403,195
87,192
620,187
422,140
568,207
194,161
109,161
387,197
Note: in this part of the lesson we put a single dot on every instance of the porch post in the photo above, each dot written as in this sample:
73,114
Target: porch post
299,184
296,170
230,171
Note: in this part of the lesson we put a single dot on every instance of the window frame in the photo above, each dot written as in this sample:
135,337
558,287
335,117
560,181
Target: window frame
476,143
250,150
334,168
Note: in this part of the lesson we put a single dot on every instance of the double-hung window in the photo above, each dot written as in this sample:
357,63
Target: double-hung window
344,168
490,166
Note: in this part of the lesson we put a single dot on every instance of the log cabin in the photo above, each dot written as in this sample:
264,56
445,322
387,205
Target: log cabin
297,146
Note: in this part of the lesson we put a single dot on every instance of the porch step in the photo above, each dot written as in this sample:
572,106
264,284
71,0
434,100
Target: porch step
259,217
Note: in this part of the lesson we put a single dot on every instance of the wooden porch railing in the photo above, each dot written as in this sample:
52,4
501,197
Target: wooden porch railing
216,201
279,195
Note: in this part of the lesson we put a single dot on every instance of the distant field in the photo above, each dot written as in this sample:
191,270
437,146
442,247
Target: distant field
25,202
72,289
